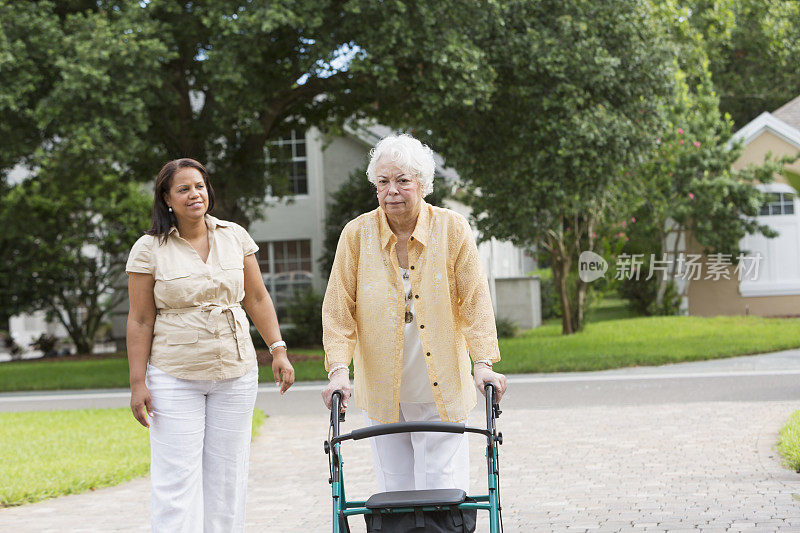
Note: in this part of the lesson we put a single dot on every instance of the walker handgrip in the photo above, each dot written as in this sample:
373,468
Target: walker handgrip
406,427
336,400
491,404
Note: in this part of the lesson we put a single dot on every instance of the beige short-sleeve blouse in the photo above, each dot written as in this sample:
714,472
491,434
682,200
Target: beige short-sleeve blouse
201,330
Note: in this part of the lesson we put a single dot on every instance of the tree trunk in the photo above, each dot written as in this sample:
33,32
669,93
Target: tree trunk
83,343
580,305
5,324
663,277
560,265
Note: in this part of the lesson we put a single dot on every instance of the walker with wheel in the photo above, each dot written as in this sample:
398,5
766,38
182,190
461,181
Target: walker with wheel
390,505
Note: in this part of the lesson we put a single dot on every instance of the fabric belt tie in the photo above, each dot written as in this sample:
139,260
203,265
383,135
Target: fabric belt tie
214,312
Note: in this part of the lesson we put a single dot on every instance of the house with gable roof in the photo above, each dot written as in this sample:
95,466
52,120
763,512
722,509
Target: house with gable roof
770,284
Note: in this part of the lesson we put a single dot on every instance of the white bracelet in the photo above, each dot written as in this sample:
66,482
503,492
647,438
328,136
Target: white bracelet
274,345
336,368
486,362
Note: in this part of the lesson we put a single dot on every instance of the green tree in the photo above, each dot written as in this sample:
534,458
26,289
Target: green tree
117,87
129,84
753,47
357,196
688,187
579,90
65,248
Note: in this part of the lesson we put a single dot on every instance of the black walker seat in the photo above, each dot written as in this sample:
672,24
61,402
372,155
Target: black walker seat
416,498
432,511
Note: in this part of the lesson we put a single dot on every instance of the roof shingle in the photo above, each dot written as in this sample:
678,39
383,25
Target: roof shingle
789,113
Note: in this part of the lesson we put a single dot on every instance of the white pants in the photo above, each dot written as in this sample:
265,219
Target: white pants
417,461
199,451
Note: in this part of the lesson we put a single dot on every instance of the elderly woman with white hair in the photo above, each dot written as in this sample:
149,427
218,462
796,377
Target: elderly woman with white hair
408,302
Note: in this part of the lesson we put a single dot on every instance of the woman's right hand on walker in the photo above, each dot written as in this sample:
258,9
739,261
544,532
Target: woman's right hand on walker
339,381
141,404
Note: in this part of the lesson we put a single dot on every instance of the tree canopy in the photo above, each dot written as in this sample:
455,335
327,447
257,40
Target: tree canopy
577,96
560,116
752,46
127,85
687,185
65,249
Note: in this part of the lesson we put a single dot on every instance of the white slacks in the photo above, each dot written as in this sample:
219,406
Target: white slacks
199,451
417,461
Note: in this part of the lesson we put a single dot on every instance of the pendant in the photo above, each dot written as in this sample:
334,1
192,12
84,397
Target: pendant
409,317
405,275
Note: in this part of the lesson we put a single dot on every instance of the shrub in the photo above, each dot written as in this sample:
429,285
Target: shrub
671,304
506,328
551,306
304,313
13,348
551,301
641,295
46,344
789,442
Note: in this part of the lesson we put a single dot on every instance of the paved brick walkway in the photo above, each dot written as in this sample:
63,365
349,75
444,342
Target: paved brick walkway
677,467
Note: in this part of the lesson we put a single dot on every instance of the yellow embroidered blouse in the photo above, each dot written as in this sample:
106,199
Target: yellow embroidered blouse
201,330
364,309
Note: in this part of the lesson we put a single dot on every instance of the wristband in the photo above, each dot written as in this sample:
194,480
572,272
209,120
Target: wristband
486,362
274,345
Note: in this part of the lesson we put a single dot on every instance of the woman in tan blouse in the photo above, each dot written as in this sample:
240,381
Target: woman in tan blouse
193,369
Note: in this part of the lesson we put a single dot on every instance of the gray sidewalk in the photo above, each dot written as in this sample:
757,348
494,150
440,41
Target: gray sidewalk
659,466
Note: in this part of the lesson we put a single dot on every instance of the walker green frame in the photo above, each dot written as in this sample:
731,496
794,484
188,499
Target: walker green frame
342,509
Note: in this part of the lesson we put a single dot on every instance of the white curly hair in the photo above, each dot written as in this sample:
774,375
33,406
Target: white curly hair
409,154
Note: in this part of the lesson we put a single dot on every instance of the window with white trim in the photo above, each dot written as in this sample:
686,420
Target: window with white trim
289,153
778,203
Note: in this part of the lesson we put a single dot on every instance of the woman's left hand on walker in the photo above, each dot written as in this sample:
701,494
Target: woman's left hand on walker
483,375
282,369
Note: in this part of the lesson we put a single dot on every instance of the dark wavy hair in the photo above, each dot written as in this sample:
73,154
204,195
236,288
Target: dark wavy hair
163,220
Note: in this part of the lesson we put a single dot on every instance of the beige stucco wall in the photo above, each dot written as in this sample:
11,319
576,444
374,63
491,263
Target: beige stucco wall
714,298
767,142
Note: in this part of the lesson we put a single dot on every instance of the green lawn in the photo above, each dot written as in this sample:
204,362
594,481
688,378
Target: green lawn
789,442
645,341
112,372
612,338
51,453
307,367
52,374
606,309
